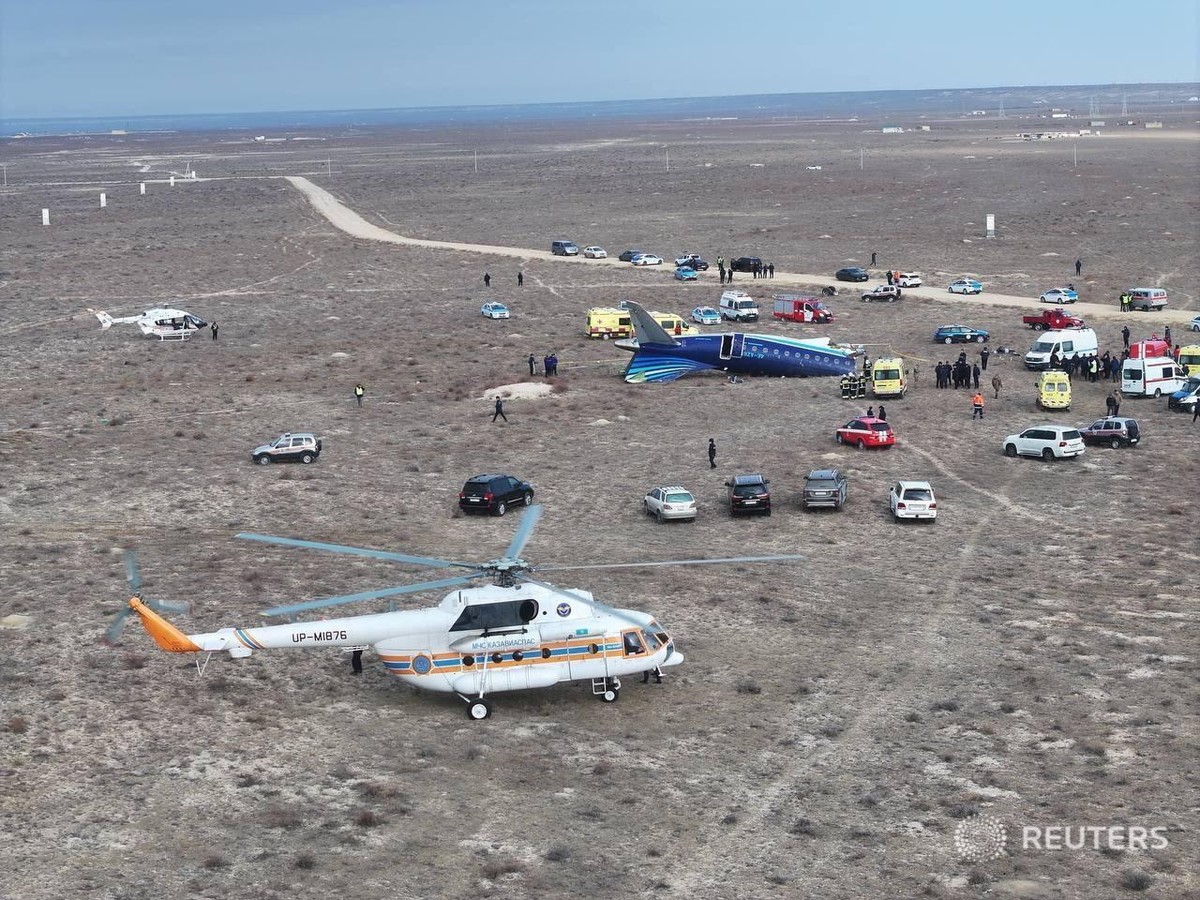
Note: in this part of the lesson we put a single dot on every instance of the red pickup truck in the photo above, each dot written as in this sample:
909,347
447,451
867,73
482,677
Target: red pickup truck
1052,320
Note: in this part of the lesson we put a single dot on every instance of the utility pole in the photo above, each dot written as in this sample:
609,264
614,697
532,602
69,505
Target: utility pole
667,150
476,160
1075,147
861,154
328,166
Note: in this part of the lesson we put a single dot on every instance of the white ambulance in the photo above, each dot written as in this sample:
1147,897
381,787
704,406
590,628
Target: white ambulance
1151,377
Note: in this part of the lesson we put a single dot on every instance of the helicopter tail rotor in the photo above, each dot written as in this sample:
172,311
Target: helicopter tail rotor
133,574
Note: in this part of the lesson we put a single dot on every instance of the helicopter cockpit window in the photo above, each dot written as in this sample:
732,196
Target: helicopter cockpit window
633,644
486,616
655,637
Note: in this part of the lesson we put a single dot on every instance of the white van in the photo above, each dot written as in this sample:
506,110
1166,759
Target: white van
1151,377
738,306
1147,299
1066,344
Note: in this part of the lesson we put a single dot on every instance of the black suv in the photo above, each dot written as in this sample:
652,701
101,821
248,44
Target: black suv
746,264
749,494
494,494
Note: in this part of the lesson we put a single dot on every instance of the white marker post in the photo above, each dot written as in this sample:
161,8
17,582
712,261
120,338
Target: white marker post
991,225
143,186
103,200
45,217
172,181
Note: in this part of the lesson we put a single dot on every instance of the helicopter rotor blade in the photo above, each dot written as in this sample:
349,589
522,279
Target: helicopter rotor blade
133,572
529,520
359,551
675,562
370,595
114,630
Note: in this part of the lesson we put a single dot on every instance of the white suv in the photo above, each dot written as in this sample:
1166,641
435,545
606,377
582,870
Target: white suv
673,502
1046,441
909,279
301,447
913,500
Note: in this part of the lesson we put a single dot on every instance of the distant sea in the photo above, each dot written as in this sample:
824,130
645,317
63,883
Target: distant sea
1137,100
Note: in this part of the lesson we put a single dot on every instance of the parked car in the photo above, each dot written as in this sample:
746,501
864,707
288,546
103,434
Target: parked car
1194,325
692,261
909,279
683,273
1046,441
1112,431
866,431
706,315
966,286
961,334
824,487
494,494
1059,296
912,500
494,310
563,248
628,255
595,253
887,292
749,494
1186,398
852,273
673,502
646,259
302,446
746,264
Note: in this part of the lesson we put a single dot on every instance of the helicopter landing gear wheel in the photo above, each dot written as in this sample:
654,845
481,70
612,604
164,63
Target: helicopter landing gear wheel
610,695
478,709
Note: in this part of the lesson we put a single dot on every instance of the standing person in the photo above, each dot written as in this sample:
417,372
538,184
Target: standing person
1078,267
996,385
1116,397
359,390
771,268
870,412
487,279
532,365
520,278
983,358
712,453
882,413
977,406
499,410
889,276
656,672
1167,335
872,257
1125,335
721,269
356,662
553,363
214,327
720,262
1109,403
1195,412
975,375
546,366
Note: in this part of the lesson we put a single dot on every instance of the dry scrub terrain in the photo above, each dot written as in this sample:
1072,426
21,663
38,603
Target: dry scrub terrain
1032,655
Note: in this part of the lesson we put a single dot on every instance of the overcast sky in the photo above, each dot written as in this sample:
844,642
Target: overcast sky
135,57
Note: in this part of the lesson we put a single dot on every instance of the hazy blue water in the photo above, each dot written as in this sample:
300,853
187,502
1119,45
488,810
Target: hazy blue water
1139,98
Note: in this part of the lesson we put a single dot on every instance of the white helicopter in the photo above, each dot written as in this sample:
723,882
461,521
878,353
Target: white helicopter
164,324
513,634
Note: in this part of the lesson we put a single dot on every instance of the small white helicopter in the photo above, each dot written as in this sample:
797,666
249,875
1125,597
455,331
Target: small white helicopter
164,324
513,634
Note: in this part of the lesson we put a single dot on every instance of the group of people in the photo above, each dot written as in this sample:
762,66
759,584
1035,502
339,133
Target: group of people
1090,367
759,271
549,364
959,374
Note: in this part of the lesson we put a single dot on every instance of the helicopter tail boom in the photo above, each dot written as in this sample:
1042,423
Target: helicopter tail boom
166,635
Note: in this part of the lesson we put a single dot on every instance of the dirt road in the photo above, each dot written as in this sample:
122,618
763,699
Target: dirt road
347,220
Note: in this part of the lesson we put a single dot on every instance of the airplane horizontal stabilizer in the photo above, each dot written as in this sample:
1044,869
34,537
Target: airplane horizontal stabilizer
648,366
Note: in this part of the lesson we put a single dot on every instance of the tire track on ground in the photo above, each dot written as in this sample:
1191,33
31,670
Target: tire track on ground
704,872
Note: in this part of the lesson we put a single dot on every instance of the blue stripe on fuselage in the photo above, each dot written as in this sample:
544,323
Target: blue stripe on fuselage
760,355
